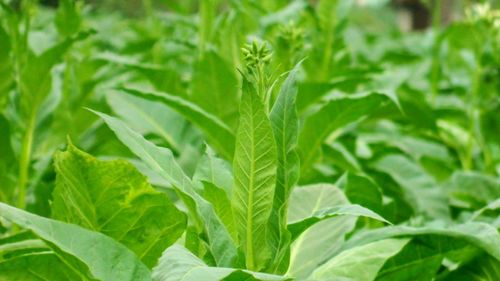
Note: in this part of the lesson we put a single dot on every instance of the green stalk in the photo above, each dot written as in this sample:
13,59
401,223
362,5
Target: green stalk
207,14
24,162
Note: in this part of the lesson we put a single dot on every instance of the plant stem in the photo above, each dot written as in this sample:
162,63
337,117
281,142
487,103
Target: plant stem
24,162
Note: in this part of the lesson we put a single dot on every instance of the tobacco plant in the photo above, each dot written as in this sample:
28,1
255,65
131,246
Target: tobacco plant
247,140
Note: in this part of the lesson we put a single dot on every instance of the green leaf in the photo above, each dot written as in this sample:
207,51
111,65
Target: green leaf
178,264
161,160
42,266
216,171
217,133
254,169
419,189
298,227
285,124
363,191
113,198
222,206
422,257
332,116
105,258
360,263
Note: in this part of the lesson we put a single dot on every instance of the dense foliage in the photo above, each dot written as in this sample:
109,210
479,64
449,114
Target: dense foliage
248,140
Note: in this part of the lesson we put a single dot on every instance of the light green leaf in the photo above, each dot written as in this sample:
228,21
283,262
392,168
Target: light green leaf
161,160
254,169
285,124
298,227
113,198
332,116
149,117
214,170
319,242
218,134
360,263
472,189
105,258
178,264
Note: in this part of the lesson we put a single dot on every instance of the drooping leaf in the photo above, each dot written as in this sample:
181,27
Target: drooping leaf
218,134
254,169
178,264
113,198
472,190
201,211
332,116
105,258
298,227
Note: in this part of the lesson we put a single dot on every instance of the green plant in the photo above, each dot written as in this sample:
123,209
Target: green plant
325,149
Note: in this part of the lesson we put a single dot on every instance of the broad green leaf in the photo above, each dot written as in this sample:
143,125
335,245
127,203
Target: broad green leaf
41,266
162,161
284,123
254,169
218,134
319,242
332,116
419,189
298,227
105,258
178,264
477,234
360,263
113,198
213,88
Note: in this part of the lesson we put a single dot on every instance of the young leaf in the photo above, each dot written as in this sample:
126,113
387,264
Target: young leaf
105,258
113,198
285,126
254,168
218,134
162,161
